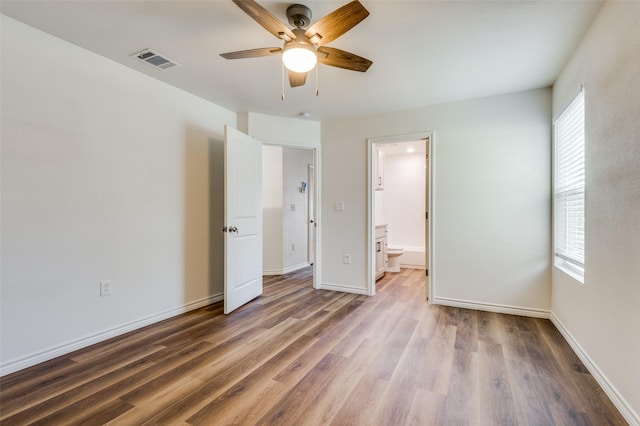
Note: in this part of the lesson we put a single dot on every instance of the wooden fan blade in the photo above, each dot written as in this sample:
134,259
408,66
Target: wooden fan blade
263,17
341,59
336,23
252,53
297,78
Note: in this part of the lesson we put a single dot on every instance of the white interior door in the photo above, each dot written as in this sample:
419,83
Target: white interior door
242,218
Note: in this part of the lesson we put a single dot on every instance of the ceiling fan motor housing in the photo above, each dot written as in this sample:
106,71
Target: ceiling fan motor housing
299,15
301,39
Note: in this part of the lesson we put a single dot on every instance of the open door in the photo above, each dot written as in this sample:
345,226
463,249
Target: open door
242,218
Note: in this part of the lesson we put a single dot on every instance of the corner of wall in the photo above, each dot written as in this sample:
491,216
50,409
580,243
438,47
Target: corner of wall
243,122
618,400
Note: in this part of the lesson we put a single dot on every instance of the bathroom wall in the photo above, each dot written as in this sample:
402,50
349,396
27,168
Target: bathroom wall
403,205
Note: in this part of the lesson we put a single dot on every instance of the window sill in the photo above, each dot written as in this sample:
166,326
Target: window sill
575,272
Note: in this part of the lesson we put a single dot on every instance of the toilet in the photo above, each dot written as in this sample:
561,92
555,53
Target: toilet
393,256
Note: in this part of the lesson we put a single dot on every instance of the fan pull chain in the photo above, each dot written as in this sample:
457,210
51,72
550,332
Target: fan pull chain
282,95
317,79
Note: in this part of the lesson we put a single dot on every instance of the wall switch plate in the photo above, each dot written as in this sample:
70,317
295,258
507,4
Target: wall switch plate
338,206
105,288
293,247
293,207
346,258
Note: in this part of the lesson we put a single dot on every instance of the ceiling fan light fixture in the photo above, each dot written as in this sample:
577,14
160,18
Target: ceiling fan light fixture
299,57
304,47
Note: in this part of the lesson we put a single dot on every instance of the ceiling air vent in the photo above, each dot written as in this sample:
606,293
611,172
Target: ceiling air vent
154,59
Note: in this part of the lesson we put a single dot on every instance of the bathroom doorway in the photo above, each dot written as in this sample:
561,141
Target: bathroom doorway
399,205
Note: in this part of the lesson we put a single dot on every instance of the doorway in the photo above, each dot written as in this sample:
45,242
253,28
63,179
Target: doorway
399,188
288,209
242,214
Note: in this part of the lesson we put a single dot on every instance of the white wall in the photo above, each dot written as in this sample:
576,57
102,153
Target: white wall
285,229
294,226
107,174
272,209
491,199
295,132
404,199
602,315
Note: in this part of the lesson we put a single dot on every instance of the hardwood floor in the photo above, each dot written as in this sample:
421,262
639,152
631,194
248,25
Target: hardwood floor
299,356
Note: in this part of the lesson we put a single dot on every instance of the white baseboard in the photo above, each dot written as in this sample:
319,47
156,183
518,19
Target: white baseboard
492,307
618,400
344,288
37,358
412,266
269,272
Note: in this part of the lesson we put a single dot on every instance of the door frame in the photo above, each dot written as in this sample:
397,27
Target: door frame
311,218
371,220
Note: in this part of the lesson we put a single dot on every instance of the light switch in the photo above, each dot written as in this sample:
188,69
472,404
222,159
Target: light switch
338,206
293,207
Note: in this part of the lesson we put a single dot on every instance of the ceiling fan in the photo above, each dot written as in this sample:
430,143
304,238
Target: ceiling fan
303,48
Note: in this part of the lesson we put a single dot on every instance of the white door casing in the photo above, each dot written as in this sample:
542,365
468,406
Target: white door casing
242,218
372,175
311,218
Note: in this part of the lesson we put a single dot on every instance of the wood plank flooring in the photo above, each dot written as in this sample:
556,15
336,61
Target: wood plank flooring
299,356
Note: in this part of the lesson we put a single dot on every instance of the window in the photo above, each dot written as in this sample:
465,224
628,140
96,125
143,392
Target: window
569,189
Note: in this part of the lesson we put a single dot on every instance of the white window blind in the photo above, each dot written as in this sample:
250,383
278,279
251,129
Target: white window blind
569,185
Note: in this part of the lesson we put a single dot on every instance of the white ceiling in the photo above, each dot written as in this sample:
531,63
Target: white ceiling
423,52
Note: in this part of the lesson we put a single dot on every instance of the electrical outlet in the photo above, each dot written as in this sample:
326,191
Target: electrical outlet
105,288
346,258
